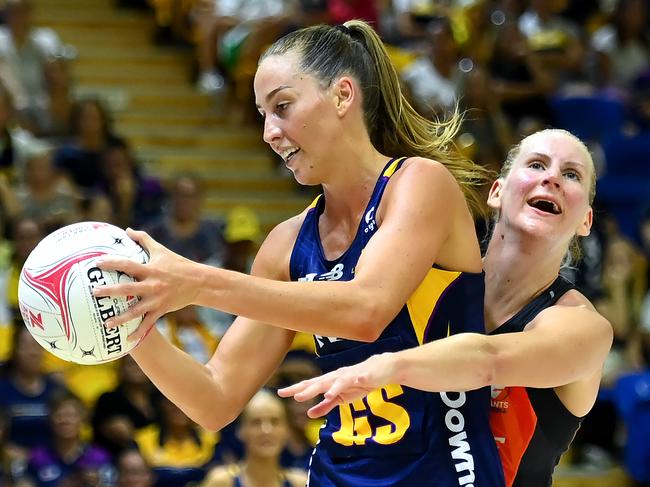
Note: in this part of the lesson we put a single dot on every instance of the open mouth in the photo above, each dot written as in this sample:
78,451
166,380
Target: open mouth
545,205
287,156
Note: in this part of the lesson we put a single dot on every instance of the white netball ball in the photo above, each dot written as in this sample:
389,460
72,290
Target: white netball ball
55,293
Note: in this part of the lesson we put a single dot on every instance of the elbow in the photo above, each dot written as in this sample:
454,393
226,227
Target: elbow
490,360
369,321
212,421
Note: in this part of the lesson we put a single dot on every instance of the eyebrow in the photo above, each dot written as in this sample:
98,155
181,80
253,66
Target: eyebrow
272,93
547,157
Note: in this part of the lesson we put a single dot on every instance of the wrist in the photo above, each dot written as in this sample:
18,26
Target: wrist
393,368
207,280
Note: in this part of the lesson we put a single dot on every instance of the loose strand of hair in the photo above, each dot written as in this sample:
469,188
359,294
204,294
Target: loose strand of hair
407,133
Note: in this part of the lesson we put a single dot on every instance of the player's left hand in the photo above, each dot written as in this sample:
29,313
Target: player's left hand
166,283
343,385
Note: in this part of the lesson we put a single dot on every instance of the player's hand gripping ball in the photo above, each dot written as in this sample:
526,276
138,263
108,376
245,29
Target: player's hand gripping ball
55,293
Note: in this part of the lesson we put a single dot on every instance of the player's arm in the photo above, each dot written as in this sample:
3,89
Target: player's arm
213,394
562,345
391,266
417,215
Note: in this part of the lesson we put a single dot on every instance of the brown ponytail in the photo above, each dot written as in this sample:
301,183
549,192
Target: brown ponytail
395,127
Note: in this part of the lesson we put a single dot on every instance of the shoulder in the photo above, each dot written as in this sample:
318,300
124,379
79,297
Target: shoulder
420,171
273,257
575,310
573,297
219,477
424,180
296,477
95,455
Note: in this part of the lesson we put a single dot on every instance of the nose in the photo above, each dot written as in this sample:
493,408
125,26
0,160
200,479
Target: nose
266,427
271,131
552,177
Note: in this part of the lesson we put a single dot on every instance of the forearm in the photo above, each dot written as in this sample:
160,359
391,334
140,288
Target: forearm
187,383
341,309
458,363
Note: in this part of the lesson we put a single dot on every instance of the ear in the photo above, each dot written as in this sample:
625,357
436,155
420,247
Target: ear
494,196
344,93
584,228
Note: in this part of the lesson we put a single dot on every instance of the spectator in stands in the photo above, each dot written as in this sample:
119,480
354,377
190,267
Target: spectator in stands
640,103
263,429
9,206
25,392
622,47
341,11
81,157
555,39
34,61
13,461
185,329
177,449
242,236
16,144
473,29
434,80
43,198
133,471
620,303
183,228
235,31
25,234
303,431
487,133
519,78
410,19
136,199
66,459
128,407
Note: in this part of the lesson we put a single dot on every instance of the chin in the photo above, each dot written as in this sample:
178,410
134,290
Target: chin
304,179
539,229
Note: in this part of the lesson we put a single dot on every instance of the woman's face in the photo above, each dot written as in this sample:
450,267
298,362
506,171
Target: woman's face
299,116
28,354
546,192
264,428
67,420
91,121
133,471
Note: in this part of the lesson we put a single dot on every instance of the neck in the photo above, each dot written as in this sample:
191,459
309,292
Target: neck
184,228
260,470
68,449
348,191
517,268
32,383
178,433
92,142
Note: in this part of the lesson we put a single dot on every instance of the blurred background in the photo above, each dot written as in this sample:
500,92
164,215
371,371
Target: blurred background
141,113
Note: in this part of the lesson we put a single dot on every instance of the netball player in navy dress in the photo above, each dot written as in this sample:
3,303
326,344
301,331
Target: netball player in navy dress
387,258
547,344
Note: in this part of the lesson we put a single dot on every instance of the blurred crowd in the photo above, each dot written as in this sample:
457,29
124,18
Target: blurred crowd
511,66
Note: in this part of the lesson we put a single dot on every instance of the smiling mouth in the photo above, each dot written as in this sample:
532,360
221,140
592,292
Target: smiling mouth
545,206
290,155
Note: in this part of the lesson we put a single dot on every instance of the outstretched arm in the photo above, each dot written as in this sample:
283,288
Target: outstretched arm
422,192
213,394
563,345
